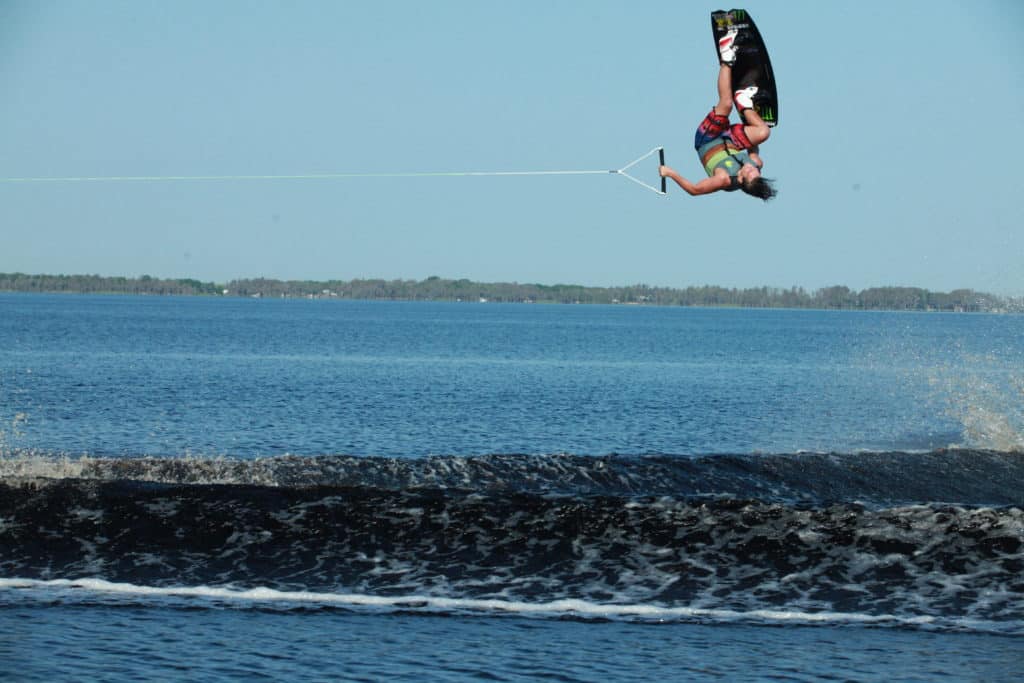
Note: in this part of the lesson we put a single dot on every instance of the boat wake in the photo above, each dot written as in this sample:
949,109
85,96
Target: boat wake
930,540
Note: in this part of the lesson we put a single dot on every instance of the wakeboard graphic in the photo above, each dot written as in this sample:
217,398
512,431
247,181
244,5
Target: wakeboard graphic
752,67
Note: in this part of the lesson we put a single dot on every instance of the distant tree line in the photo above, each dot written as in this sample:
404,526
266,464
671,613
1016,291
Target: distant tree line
97,284
441,289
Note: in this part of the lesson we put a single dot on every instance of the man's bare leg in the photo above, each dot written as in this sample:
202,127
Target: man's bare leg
724,106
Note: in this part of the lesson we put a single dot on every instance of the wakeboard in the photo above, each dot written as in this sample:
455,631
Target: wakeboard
752,67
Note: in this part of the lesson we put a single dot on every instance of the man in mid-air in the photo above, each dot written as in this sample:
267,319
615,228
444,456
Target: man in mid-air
729,154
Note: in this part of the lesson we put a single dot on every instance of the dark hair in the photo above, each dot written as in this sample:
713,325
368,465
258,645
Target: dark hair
759,187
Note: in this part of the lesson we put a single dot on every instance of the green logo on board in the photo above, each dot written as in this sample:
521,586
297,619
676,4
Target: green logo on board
729,18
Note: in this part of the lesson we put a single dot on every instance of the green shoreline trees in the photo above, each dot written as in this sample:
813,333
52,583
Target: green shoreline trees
440,289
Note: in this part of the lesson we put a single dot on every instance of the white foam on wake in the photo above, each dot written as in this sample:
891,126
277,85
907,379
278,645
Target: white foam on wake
49,590
21,463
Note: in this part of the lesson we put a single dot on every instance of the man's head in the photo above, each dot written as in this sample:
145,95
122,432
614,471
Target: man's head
754,184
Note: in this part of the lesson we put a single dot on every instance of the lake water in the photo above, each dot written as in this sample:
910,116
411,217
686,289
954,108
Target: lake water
225,488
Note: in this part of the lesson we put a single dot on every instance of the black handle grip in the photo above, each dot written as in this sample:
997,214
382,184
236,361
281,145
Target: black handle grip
661,160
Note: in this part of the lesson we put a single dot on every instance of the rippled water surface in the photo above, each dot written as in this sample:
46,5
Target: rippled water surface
166,376
224,644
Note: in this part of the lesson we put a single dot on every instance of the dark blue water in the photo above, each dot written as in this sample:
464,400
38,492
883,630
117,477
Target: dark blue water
224,488
153,643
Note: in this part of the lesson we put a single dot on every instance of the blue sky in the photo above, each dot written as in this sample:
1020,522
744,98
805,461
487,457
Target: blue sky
895,155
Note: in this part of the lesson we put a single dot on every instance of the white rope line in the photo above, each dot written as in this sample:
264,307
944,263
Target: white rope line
329,176
639,159
640,182
307,176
